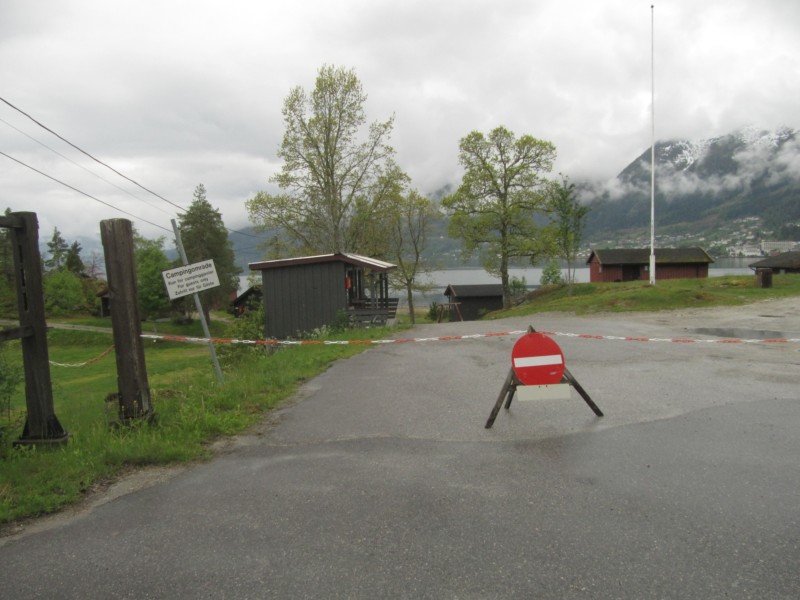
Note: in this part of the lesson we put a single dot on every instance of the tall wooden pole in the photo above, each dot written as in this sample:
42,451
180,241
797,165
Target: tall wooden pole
134,390
41,423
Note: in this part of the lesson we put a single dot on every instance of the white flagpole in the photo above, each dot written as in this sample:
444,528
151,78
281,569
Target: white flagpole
652,150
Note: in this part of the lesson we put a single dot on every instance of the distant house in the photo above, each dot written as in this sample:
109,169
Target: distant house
788,262
304,293
474,301
634,264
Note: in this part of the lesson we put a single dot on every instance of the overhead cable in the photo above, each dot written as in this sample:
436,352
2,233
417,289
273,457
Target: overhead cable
43,126
82,192
84,168
97,160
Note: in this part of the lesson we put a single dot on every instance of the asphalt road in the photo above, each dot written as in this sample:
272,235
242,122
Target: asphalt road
380,481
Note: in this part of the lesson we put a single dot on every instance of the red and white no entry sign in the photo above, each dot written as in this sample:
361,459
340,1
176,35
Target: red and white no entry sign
537,360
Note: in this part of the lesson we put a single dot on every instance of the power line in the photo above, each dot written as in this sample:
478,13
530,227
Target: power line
82,192
19,110
84,168
97,160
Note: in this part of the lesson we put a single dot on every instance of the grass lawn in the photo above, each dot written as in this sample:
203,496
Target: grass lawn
669,294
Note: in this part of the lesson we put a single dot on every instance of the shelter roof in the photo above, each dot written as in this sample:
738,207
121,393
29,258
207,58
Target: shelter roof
482,290
641,256
253,290
373,264
786,260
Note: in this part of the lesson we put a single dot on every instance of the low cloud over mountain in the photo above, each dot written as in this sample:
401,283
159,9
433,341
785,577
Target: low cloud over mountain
750,172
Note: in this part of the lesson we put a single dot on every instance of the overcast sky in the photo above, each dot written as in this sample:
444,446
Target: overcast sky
177,92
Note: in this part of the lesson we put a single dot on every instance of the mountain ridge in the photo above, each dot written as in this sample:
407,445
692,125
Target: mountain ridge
747,173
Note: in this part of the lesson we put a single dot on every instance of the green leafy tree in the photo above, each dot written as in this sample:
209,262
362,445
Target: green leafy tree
204,237
150,263
412,216
336,175
72,259
57,247
502,191
569,219
551,274
63,293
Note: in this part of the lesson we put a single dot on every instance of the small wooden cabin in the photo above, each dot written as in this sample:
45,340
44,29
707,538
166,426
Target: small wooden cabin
787,262
248,299
474,300
304,293
634,264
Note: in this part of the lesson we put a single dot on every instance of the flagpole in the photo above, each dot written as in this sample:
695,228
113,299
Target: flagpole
652,150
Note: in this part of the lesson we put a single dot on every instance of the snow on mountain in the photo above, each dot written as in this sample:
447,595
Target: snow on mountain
749,172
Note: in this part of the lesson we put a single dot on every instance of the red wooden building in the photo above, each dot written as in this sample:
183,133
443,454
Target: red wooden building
634,264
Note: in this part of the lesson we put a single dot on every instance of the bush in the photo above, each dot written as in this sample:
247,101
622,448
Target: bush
63,293
248,326
11,376
551,274
519,287
433,312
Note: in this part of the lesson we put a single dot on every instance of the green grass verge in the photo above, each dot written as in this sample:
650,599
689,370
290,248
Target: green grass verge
192,410
669,294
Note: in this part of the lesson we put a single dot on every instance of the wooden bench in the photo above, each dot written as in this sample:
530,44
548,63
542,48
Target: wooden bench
377,313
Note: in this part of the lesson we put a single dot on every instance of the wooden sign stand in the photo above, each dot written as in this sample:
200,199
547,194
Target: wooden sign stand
509,389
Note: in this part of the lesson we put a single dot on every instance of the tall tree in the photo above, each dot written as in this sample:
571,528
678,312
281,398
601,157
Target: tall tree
57,247
502,190
569,218
72,259
335,174
151,261
204,237
411,221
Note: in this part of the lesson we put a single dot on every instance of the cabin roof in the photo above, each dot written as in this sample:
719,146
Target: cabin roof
786,260
373,264
481,290
641,256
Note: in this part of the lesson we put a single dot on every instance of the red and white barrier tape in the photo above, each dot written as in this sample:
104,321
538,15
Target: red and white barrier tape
83,364
450,338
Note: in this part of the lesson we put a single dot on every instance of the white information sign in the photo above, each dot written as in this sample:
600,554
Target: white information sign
190,279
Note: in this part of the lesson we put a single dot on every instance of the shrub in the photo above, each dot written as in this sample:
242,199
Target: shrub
551,274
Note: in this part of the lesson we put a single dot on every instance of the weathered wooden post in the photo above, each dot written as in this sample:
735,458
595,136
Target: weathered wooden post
134,390
41,424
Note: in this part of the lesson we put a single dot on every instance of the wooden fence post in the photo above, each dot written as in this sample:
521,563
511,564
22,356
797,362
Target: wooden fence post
41,423
134,390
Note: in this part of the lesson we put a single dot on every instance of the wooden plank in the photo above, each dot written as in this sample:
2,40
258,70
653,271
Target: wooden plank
15,333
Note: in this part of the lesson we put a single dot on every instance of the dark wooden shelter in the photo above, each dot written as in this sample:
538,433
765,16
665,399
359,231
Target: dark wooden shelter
246,300
632,264
475,300
787,262
304,293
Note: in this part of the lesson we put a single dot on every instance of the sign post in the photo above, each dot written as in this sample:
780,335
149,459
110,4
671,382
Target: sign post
538,372
191,279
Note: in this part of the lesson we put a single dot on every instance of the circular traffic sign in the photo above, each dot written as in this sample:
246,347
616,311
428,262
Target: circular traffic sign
537,360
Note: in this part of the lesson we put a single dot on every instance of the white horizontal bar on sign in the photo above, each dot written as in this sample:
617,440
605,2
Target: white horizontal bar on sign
555,391
537,361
